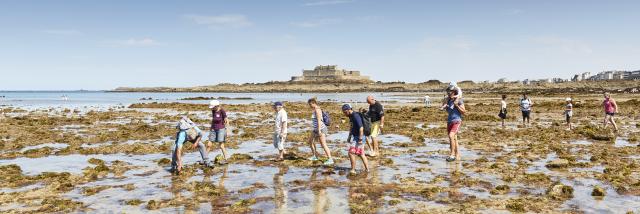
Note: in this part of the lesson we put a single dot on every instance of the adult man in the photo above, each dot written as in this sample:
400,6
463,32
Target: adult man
280,133
187,131
356,148
376,114
525,107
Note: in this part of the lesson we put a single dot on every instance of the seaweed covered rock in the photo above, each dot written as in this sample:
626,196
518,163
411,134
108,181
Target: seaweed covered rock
559,191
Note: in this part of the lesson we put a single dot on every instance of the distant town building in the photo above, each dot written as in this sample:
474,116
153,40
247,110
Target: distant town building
502,80
329,73
607,75
634,75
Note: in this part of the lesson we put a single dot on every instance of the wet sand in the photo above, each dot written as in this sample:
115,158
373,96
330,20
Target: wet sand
82,160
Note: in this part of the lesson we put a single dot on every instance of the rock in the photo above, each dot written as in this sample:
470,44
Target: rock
560,191
240,157
598,191
558,163
501,189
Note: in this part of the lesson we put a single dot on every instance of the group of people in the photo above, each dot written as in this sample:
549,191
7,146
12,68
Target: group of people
366,126
609,105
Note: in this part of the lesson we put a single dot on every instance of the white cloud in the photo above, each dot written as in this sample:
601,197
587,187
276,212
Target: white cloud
63,32
324,3
228,20
134,42
569,46
317,23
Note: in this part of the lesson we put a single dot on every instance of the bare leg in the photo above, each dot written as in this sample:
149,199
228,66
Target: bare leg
606,120
455,147
224,151
314,152
613,122
323,142
370,145
179,159
352,159
376,148
452,138
502,123
365,162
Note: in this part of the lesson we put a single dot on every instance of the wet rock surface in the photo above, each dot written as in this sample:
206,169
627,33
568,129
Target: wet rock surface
89,161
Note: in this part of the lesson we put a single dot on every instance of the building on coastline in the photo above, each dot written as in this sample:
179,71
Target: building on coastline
330,73
607,75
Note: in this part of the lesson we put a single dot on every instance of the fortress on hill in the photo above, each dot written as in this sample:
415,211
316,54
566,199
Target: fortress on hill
329,73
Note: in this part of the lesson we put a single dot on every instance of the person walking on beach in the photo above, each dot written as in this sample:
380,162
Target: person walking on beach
568,112
187,131
610,109
525,107
503,109
376,113
455,109
280,134
319,132
219,122
356,134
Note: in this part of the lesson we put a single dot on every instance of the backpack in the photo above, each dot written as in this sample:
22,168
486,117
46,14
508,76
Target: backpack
326,119
366,124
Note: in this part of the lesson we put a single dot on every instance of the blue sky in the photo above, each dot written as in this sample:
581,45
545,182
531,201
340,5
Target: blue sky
47,45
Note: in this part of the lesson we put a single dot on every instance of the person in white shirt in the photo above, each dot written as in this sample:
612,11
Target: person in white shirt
525,107
503,109
568,112
280,132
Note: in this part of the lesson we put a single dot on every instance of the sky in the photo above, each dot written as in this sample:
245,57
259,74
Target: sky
101,45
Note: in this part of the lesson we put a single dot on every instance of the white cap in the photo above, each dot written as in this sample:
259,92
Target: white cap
568,99
214,103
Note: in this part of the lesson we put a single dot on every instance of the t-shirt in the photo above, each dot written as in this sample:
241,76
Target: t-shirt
525,104
503,105
217,122
569,110
281,117
454,114
356,123
376,112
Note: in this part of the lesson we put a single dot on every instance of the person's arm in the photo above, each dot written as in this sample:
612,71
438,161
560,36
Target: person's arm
318,118
460,107
615,106
381,117
360,123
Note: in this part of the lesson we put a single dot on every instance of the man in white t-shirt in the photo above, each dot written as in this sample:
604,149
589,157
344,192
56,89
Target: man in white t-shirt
280,132
525,107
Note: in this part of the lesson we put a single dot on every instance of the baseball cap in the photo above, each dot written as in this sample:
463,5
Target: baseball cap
278,103
346,106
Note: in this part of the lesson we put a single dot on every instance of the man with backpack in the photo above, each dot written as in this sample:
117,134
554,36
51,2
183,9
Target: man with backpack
376,114
187,131
357,134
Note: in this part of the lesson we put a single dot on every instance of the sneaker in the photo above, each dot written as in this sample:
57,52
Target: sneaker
329,162
314,158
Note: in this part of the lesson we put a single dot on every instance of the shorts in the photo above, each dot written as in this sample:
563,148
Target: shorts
375,129
453,127
502,115
356,146
610,113
323,131
217,135
526,114
568,117
278,141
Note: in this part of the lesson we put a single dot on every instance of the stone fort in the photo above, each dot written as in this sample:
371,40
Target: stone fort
329,73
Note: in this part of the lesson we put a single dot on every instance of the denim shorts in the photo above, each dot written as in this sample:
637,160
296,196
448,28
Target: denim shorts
323,131
217,135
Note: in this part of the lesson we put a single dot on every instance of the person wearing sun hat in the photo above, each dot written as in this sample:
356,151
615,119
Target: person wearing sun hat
568,112
219,123
280,132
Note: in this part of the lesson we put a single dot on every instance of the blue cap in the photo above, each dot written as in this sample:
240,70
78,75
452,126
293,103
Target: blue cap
277,103
346,106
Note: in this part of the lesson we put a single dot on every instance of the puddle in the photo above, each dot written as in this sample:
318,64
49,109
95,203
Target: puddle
623,143
611,203
21,189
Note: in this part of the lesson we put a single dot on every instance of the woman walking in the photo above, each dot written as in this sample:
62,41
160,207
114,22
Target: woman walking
219,131
319,132
455,109
610,109
503,109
